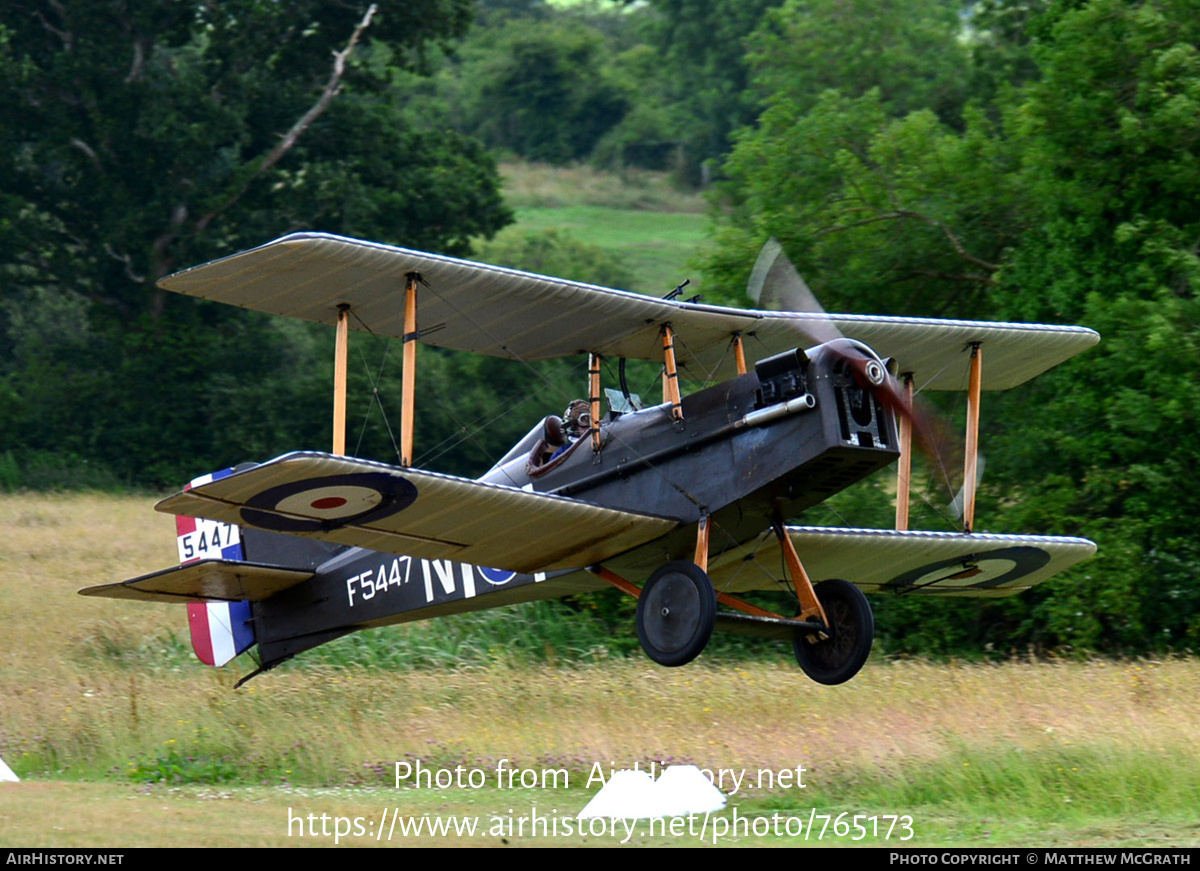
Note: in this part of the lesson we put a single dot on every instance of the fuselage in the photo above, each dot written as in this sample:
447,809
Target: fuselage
747,452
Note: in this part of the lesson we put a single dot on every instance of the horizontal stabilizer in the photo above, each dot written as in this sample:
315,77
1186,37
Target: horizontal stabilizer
205,581
422,514
888,561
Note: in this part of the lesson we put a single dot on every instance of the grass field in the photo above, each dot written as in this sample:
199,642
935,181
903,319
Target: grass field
122,740
654,230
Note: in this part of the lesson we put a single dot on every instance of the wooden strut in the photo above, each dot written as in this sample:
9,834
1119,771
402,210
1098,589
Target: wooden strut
340,353
739,353
747,608
810,606
409,379
616,580
702,529
974,390
904,464
670,373
594,399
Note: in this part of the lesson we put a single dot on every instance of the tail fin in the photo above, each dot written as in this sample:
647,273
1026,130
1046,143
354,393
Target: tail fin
207,539
220,630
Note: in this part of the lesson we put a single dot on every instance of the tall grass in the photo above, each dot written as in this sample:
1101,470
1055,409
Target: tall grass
99,689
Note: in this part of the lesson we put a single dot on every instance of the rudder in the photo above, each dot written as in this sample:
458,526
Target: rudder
219,630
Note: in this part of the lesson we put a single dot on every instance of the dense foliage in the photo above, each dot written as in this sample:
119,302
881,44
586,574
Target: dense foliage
139,138
1067,194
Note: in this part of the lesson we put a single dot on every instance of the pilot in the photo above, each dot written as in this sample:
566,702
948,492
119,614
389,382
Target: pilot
577,419
559,434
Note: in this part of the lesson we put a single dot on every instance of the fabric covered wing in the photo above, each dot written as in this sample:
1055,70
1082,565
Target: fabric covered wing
210,580
418,513
518,315
887,561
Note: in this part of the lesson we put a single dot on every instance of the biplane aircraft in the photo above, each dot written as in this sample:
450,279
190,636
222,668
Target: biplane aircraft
682,504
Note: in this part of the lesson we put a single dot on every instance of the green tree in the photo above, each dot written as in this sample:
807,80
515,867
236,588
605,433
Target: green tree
139,138
1111,157
999,39
890,215
703,71
147,135
911,53
542,91
1072,198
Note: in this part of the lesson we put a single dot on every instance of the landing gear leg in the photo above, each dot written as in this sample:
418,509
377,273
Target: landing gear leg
835,654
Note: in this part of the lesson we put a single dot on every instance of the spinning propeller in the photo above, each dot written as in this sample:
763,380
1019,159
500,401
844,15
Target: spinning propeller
775,284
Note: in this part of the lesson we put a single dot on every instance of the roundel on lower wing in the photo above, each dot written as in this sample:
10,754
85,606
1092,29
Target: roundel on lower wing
317,504
978,571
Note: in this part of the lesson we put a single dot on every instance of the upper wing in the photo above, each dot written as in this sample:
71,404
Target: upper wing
422,514
883,560
507,313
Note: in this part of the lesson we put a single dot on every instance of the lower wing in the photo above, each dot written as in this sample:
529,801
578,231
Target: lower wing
923,563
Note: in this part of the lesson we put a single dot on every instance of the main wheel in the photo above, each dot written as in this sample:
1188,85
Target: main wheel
676,613
839,657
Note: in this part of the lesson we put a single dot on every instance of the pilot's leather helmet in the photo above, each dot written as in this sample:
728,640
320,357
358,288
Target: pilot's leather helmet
577,417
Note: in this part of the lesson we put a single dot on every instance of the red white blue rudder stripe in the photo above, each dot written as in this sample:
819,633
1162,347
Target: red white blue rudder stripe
220,630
